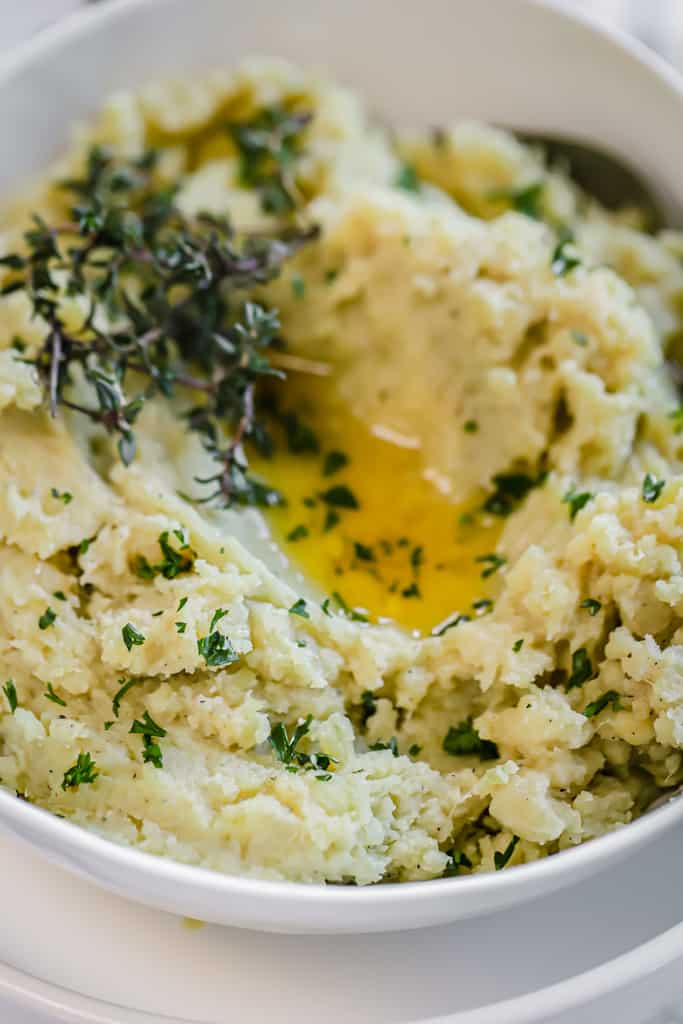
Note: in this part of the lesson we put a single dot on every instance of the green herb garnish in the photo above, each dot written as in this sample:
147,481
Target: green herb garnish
565,257
510,490
215,648
298,286
450,623
368,706
582,669
463,740
363,552
10,691
652,488
333,462
579,338
299,608
501,859
391,745
526,200
470,426
174,292
47,618
340,496
492,563
59,595
596,706
407,179
518,644
456,860
576,501
54,697
125,686
151,732
298,533
66,497
269,145
83,771
132,637
591,605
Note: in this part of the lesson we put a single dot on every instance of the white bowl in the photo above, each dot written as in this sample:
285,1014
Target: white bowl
516,62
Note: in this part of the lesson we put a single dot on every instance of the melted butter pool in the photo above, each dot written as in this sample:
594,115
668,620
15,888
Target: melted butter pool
406,552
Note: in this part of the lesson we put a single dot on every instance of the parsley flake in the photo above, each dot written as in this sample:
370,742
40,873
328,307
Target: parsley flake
10,691
596,706
334,461
340,496
47,618
501,859
576,500
66,497
407,179
582,669
55,698
492,562
299,608
591,605
463,740
652,488
298,533
132,637
82,772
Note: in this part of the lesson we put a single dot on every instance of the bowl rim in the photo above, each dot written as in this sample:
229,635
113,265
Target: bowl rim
61,834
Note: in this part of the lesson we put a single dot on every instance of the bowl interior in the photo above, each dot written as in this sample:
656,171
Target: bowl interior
514,62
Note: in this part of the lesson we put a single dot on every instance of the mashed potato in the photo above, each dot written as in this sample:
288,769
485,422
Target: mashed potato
456,298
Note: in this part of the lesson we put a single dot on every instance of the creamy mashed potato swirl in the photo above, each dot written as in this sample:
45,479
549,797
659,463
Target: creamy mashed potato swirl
454,299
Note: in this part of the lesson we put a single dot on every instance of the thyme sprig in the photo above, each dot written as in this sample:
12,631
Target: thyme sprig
169,301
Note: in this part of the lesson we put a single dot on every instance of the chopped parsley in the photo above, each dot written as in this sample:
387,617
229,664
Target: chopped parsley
596,706
301,439
591,605
298,533
450,623
181,604
501,859
518,644
298,286
582,669
368,706
47,618
412,591
325,606
333,462
331,275
354,615
576,500
492,564
416,558
470,426
565,257
407,179
483,605
132,637
54,697
173,562
83,771
59,595
526,200
10,691
180,627
84,545
579,338
456,860
216,649
66,497
652,488
414,750
363,552
340,496
151,732
510,490
463,740
299,608
392,745
285,749
125,686
331,520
